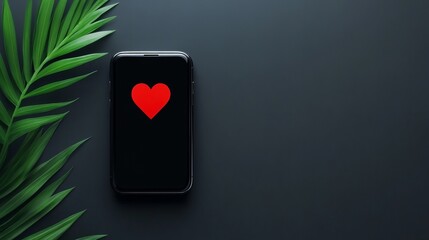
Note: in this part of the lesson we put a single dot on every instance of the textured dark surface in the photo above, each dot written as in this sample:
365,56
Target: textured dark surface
312,122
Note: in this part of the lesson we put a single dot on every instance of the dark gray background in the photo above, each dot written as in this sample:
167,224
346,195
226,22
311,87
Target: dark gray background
312,121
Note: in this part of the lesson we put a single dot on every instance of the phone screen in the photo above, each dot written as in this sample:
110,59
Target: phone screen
151,122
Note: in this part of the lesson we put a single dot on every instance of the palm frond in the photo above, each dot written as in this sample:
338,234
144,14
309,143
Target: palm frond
41,108
55,231
94,237
55,86
24,160
6,85
57,30
41,32
11,47
34,210
67,21
26,41
27,125
67,64
4,115
56,23
37,178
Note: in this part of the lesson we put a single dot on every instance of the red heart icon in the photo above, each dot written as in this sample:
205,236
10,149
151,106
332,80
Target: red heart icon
150,100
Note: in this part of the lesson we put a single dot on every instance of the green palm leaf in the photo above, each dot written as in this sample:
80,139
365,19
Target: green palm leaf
37,179
4,115
33,211
59,29
2,135
41,31
80,43
67,20
6,86
98,4
10,45
93,16
77,15
67,64
88,5
92,26
94,237
24,160
55,231
55,86
56,22
41,108
26,42
27,125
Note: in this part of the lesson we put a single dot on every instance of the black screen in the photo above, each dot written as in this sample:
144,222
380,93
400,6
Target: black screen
151,120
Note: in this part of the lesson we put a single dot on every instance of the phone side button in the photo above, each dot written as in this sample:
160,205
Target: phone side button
193,93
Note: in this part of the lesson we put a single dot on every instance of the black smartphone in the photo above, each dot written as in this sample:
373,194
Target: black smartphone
151,121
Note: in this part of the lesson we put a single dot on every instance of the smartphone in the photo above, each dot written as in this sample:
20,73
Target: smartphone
151,121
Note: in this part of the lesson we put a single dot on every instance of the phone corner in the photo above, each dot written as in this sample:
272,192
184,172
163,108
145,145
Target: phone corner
114,187
116,56
188,187
186,57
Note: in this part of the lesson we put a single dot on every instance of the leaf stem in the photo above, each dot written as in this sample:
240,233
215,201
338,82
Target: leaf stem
5,147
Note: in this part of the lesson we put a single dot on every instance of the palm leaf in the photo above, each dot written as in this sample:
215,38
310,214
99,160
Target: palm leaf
55,86
2,135
98,4
4,115
77,15
93,16
80,43
92,27
59,30
37,179
26,42
41,31
17,218
41,108
27,125
93,237
6,86
68,63
10,45
67,20
24,160
55,26
55,231
88,6
32,212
